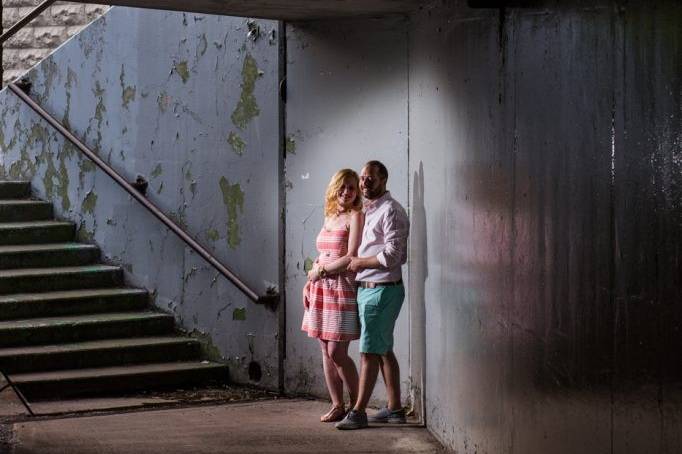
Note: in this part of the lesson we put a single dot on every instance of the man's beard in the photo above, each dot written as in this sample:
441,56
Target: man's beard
371,193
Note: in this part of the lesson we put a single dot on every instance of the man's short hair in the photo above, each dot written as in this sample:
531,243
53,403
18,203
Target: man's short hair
383,171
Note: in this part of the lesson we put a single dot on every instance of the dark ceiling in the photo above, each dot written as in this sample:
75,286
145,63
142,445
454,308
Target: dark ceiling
288,10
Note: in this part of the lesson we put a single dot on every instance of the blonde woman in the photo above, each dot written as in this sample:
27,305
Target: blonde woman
329,295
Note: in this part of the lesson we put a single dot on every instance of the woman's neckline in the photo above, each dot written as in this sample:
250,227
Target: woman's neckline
345,226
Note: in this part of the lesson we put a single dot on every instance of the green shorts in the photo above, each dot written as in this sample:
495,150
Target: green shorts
378,309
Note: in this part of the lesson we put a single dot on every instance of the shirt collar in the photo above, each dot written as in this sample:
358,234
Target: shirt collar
370,205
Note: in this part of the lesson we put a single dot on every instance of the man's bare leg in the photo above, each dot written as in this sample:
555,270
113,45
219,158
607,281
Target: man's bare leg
390,370
369,371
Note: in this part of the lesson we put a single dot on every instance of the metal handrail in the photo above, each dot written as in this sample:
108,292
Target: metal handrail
25,20
271,298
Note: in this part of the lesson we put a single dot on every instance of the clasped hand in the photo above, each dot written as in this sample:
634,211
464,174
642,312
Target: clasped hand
355,265
314,273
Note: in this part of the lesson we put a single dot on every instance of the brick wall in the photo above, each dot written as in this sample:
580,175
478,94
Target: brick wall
45,33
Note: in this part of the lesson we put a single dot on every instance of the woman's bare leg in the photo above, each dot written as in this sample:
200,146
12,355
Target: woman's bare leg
345,368
331,376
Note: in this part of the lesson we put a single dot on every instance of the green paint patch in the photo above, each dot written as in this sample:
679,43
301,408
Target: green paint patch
208,349
307,264
247,107
128,95
127,92
68,149
182,70
290,145
83,234
213,235
85,166
89,203
100,108
25,167
239,314
158,170
237,143
49,179
233,198
70,79
63,188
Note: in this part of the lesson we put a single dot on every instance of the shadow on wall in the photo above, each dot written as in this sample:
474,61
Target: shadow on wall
417,284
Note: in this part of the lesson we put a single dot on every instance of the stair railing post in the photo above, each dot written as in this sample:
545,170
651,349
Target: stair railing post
17,391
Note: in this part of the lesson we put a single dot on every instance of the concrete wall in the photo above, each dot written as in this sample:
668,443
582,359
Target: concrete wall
346,104
545,160
42,35
190,102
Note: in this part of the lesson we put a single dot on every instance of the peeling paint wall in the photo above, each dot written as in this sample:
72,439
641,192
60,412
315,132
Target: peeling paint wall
167,96
346,104
545,171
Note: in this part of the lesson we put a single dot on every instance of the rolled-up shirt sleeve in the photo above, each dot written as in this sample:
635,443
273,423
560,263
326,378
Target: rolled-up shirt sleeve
396,228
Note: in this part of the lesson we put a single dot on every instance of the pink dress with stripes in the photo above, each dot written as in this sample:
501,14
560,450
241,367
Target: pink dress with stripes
333,311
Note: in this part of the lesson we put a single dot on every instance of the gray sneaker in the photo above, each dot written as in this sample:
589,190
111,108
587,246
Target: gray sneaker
392,417
353,420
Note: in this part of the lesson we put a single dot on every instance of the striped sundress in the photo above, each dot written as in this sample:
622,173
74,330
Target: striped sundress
333,311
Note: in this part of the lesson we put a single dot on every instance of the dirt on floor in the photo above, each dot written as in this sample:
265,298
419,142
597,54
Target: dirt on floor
268,426
13,411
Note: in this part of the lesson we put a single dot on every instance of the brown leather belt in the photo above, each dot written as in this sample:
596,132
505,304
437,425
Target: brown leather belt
364,284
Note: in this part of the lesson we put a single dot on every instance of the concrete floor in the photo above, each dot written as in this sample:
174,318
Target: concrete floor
272,426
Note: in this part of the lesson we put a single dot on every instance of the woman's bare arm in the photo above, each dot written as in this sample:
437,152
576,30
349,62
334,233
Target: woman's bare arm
357,220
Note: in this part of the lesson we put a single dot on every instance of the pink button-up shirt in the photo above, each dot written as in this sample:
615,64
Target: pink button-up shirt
384,236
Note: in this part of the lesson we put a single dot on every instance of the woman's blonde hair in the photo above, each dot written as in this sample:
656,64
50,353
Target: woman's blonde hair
334,187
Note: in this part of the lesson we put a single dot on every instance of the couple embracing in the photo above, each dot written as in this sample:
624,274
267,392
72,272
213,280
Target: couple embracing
355,291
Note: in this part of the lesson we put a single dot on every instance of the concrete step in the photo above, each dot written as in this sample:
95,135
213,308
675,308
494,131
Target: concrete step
36,232
70,302
24,210
99,353
15,190
106,380
77,328
33,280
45,255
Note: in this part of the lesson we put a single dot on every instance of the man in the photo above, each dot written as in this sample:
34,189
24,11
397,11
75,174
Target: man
382,252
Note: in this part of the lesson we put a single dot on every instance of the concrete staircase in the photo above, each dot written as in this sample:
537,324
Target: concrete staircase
68,326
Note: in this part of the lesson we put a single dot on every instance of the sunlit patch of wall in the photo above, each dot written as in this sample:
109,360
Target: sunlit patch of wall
346,104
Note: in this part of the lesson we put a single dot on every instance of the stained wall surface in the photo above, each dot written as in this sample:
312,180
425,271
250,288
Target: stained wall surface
545,162
346,104
190,103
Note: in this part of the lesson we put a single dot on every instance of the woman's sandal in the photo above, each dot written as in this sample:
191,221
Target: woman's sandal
334,415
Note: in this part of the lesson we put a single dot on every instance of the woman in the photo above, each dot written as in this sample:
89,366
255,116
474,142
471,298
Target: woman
331,313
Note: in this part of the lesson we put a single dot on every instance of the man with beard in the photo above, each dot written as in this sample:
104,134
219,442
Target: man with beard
382,253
